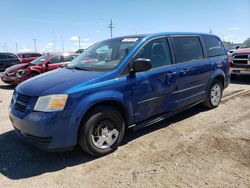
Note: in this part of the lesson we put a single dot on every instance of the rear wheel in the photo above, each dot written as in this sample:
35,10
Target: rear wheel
102,131
214,95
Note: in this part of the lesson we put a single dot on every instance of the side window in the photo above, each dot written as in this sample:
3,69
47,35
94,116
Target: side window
187,49
58,59
36,55
27,55
158,51
69,58
10,57
214,46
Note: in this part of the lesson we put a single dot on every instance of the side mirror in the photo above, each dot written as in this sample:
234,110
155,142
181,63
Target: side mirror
237,47
140,65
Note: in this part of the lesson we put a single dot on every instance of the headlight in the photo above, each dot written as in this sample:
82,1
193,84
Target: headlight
51,103
10,74
20,72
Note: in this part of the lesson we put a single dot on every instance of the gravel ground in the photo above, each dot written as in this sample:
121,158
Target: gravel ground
196,148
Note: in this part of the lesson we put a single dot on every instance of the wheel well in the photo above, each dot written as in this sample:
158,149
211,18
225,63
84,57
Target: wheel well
35,72
221,79
115,104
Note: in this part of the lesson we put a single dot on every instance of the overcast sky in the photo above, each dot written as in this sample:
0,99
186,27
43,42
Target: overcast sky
52,21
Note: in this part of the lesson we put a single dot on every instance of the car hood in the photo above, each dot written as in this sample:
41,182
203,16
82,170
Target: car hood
242,50
16,68
58,81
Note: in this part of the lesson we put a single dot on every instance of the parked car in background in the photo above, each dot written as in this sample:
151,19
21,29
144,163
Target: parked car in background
7,60
79,51
18,73
119,83
27,57
240,59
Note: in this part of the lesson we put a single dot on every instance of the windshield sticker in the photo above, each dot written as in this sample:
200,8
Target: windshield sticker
130,40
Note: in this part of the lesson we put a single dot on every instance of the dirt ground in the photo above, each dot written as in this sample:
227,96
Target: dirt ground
196,148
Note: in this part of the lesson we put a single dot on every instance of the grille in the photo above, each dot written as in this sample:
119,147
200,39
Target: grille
21,102
240,59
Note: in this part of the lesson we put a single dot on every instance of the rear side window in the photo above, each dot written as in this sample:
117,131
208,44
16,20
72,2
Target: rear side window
30,55
11,57
187,49
36,55
58,59
69,58
214,46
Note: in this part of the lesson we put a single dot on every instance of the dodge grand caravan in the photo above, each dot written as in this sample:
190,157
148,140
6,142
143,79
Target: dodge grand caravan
119,83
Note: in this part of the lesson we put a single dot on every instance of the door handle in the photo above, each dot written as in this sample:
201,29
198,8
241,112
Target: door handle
184,71
170,73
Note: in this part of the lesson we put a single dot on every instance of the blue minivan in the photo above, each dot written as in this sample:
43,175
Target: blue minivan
119,83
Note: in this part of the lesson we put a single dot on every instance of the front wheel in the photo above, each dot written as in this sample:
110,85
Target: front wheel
214,95
102,131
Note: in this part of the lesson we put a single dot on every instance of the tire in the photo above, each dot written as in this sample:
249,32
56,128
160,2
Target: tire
33,74
214,95
102,123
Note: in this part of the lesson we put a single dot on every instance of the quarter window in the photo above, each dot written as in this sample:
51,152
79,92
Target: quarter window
187,49
157,51
214,46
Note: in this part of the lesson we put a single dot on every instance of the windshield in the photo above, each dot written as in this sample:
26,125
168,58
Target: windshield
105,55
246,44
39,59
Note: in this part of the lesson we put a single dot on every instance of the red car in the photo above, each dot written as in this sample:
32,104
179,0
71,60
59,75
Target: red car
18,73
240,60
28,56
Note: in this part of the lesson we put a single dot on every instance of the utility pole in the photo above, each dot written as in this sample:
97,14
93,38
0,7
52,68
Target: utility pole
3,48
210,31
54,39
6,47
34,43
79,40
16,46
111,26
62,43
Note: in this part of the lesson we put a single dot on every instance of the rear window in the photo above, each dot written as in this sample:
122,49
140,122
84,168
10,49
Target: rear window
187,49
214,46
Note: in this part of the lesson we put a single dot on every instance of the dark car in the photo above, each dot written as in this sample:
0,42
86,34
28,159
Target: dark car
79,51
18,73
125,82
27,57
7,60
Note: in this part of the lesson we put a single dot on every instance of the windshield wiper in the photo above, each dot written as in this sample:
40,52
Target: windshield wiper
83,68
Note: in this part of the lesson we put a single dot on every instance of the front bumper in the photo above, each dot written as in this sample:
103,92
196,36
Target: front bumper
10,79
239,69
47,131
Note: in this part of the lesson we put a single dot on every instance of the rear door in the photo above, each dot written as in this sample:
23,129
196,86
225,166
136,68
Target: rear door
152,90
194,70
216,54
